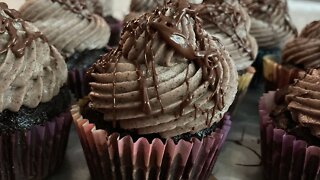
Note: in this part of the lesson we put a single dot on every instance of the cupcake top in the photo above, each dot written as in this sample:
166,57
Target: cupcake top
67,24
100,7
303,52
304,101
138,7
298,107
230,23
271,23
145,5
167,76
31,71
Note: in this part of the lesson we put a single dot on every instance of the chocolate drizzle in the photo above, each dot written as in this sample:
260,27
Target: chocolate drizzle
16,43
226,16
274,14
76,6
165,25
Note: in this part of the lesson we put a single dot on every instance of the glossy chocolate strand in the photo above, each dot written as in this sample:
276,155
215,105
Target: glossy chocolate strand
76,6
171,75
209,12
16,43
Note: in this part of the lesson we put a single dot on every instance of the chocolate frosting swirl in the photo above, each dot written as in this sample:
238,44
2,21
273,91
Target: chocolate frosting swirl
31,71
304,51
270,21
230,23
304,101
67,24
168,76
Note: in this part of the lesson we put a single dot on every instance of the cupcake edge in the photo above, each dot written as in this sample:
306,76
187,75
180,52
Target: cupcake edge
111,156
283,156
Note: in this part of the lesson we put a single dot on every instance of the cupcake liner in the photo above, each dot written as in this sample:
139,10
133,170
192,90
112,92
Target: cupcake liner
116,28
276,75
78,83
283,155
34,153
243,85
110,156
258,64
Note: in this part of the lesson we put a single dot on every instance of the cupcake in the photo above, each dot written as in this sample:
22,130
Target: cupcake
271,26
290,129
157,104
78,34
298,55
34,103
139,7
230,23
105,10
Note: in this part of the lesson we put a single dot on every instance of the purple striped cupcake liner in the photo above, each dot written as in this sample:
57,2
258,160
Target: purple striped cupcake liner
78,83
276,75
34,153
244,81
110,156
116,28
283,155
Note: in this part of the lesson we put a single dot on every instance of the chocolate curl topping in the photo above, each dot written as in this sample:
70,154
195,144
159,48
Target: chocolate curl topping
9,20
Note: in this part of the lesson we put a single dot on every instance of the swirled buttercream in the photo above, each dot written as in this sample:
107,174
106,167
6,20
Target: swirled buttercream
304,51
304,101
31,71
67,24
100,7
138,7
167,76
230,23
270,21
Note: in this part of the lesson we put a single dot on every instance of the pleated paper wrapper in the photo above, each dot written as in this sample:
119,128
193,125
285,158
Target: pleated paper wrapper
258,64
34,153
283,155
243,85
78,83
116,28
77,80
276,75
110,156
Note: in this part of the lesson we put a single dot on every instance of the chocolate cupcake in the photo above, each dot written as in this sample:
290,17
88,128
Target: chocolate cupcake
290,129
157,104
271,26
34,103
77,33
230,23
298,55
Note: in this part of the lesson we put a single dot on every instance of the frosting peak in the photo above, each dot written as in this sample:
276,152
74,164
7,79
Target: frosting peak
67,24
100,7
230,23
9,21
76,6
31,71
304,101
167,74
271,23
303,51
